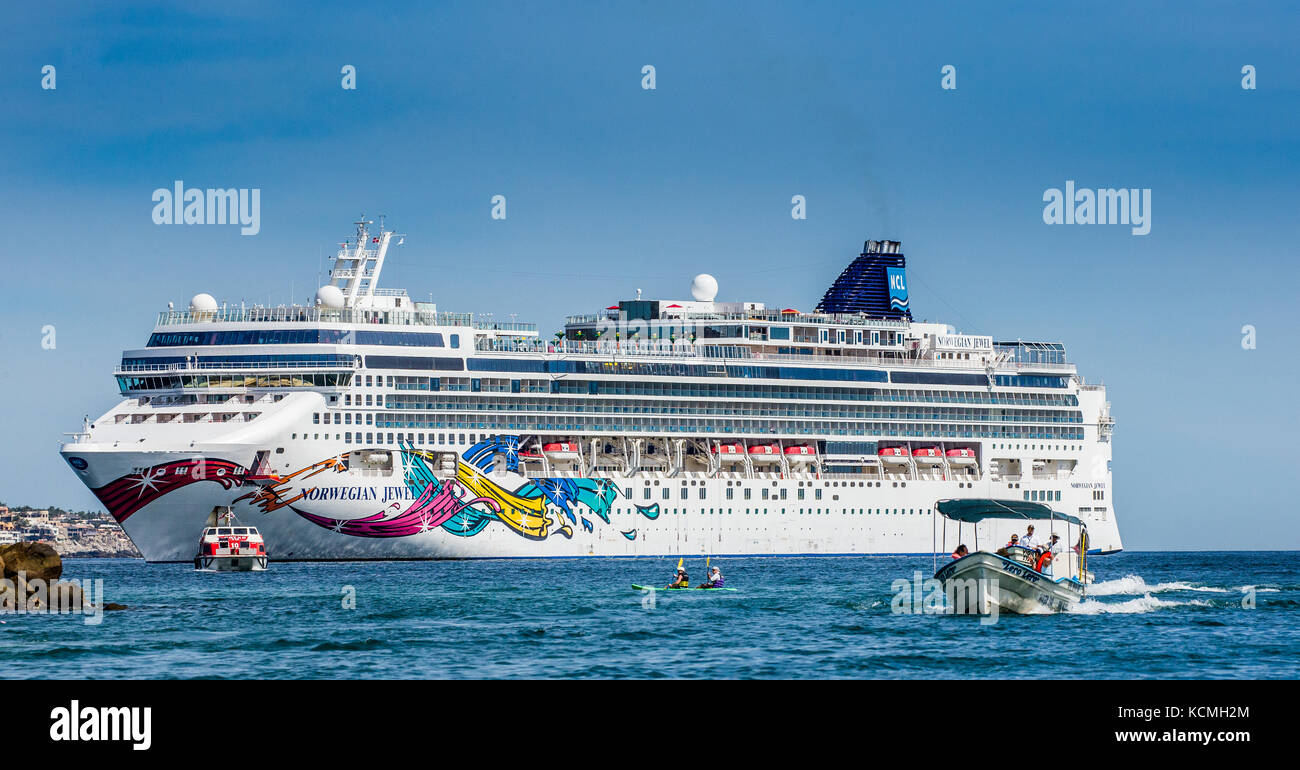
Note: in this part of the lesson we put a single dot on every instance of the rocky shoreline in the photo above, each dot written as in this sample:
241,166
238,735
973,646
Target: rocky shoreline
32,582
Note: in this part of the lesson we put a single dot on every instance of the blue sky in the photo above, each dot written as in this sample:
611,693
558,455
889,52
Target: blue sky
611,188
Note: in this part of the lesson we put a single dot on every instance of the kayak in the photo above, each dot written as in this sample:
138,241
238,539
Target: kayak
652,588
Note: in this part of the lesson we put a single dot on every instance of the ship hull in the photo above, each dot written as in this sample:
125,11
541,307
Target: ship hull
323,511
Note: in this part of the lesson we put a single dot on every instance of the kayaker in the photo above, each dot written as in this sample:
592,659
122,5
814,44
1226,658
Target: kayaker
960,552
681,579
715,579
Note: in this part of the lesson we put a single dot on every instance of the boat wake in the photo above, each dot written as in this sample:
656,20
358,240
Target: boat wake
1138,605
1134,584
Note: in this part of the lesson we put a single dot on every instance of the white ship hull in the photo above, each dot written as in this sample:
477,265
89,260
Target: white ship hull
848,518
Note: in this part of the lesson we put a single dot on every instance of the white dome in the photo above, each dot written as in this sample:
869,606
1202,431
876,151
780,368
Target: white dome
329,296
704,288
203,302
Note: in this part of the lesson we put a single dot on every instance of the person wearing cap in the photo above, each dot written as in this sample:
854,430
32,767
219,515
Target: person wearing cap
1029,541
715,579
681,579
1015,540
1050,552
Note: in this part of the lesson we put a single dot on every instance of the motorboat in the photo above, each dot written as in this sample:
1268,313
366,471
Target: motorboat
1016,579
228,546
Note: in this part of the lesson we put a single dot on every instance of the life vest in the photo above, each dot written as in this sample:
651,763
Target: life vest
1043,558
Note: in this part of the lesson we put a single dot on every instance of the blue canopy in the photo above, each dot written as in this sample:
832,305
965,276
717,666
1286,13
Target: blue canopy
979,510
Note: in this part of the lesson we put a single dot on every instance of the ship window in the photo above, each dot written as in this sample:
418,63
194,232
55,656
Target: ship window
315,418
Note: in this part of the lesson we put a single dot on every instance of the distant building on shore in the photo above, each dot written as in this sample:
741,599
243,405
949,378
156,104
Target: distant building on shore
72,533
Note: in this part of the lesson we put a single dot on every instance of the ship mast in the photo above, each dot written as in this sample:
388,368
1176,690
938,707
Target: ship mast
357,266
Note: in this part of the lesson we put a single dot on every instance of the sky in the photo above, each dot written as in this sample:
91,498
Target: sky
611,187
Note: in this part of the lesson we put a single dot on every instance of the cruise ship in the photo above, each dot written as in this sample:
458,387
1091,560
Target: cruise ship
368,425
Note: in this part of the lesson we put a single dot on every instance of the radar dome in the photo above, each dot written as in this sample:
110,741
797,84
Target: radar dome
203,302
329,296
704,288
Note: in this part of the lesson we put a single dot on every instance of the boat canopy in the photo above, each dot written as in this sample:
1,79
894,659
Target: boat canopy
979,510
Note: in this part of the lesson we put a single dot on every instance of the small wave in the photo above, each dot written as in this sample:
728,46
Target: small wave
1134,584
1141,604
361,644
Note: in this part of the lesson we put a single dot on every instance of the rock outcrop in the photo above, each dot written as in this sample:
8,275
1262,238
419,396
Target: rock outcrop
37,561
31,573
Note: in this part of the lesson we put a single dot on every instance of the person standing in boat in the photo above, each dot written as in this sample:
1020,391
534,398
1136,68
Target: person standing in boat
1049,554
1029,541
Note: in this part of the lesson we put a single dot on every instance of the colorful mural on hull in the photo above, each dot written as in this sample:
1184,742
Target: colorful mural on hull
126,495
463,506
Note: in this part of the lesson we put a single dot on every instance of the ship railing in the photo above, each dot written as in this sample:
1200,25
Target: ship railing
506,327
695,352
761,316
205,366
314,314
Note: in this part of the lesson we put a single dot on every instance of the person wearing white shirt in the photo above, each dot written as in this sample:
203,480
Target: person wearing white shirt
1053,548
1028,541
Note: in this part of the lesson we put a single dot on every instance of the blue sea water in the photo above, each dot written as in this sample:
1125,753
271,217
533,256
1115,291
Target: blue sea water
1161,615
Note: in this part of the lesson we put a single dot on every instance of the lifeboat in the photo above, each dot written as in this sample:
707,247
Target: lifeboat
729,452
894,455
801,453
561,450
764,453
228,546
963,456
930,455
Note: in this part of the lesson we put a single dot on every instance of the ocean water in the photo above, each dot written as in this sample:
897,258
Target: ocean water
1162,615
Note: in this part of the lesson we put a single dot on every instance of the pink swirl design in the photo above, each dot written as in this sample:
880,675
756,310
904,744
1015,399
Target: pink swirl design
434,507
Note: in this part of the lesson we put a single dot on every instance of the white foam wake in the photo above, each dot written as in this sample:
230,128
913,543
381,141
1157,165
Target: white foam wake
1146,603
1134,584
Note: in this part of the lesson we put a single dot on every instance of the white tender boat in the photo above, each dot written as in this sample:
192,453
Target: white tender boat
228,546
1017,580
